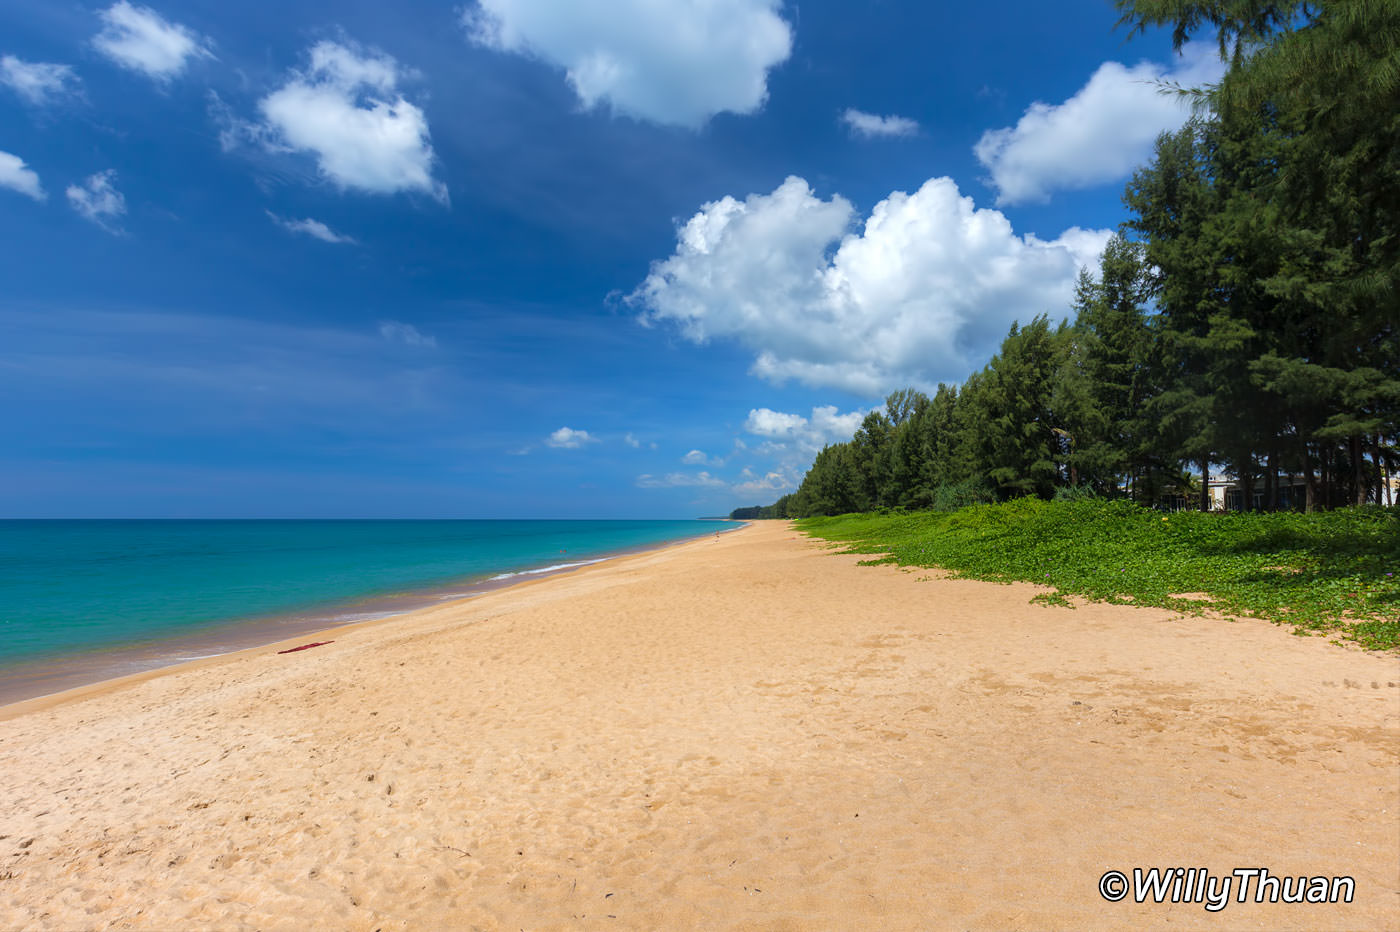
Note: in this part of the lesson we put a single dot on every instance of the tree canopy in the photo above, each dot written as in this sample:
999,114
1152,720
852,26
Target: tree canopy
1245,315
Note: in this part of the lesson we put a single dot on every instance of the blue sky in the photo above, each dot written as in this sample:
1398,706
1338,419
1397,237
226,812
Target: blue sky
526,258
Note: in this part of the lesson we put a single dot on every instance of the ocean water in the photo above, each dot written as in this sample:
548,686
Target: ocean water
76,589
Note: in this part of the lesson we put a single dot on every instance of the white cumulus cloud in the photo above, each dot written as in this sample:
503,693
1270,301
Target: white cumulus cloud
791,441
98,201
566,438
38,83
347,111
312,228
17,176
800,435
922,293
1097,136
674,62
771,483
139,38
765,422
869,124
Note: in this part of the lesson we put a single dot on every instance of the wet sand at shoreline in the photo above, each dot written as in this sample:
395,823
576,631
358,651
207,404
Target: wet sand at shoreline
749,732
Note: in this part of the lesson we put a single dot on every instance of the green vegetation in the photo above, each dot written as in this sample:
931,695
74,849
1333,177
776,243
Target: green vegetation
1335,572
755,511
1247,315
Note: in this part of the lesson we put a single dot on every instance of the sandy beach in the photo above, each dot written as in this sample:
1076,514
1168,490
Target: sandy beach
744,732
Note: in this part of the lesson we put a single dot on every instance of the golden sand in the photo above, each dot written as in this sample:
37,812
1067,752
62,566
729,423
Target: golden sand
749,732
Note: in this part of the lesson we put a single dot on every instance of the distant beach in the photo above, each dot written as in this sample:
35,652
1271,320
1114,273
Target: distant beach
744,732
85,601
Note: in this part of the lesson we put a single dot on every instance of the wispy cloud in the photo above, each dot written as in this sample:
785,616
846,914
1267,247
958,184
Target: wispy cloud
870,125
163,369
17,176
312,228
407,334
701,479
38,83
98,201
140,39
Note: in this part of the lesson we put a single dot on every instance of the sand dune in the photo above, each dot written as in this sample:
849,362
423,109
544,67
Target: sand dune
750,732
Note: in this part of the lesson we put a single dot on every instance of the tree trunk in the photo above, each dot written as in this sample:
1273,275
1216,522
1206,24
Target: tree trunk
1205,484
1328,458
1247,490
1362,483
1389,487
1376,463
1271,483
1389,492
1311,480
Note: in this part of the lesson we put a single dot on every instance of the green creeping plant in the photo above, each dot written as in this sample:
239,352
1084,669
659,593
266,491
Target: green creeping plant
1334,573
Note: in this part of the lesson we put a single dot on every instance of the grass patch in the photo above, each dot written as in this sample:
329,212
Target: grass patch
1327,573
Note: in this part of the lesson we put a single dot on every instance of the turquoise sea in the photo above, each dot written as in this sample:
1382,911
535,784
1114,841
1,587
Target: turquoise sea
112,597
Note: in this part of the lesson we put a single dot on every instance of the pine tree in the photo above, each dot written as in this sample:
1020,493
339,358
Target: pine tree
1023,445
1309,157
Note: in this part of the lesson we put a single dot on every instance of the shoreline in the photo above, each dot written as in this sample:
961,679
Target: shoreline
743,733
54,676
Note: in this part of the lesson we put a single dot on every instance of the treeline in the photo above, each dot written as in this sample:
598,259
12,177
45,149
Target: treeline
1245,316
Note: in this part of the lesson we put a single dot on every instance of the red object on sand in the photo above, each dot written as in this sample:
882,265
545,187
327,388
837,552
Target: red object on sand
293,650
